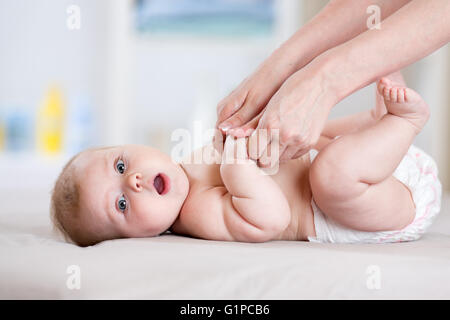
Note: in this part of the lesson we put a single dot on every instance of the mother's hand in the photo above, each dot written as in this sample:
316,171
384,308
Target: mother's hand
243,107
252,95
299,110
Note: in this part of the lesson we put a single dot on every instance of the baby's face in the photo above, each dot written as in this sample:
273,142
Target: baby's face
130,191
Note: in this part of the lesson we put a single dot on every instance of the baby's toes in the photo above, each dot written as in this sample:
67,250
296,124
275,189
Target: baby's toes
381,85
393,94
411,96
386,82
386,93
401,95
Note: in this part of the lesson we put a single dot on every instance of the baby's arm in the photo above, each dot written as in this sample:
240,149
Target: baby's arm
254,196
249,208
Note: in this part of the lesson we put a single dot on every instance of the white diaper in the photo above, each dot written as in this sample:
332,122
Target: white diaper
419,173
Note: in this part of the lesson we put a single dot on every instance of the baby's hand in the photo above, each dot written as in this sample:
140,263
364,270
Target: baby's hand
236,151
239,150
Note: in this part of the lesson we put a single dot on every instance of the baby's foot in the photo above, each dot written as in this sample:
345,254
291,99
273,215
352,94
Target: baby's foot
380,108
404,102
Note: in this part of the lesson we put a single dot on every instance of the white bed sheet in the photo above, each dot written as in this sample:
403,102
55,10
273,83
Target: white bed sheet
34,266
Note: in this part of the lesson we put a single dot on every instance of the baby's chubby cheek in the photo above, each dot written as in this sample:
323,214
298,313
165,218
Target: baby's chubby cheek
153,217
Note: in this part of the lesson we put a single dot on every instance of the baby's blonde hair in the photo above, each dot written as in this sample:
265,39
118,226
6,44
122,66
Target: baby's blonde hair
65,210
64,204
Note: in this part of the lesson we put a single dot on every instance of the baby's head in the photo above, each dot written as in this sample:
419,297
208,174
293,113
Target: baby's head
127,191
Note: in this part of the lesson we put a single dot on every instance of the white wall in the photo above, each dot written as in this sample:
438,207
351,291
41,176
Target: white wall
37,49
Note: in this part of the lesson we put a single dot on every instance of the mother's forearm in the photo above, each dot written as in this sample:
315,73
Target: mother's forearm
338,22
411,33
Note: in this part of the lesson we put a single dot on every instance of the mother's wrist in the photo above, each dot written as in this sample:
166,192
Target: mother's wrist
332,75
288,58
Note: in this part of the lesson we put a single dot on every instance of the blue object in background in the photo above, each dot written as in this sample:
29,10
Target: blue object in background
236,18
2,130
19,128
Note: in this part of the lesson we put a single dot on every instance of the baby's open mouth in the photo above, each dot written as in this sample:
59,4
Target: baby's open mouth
161,184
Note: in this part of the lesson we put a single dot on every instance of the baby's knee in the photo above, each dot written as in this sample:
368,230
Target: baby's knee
332,178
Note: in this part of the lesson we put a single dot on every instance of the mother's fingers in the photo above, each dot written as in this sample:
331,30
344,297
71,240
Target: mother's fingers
246,129
271,153
258,142
289,152
218,141
249,110
300,153
229,105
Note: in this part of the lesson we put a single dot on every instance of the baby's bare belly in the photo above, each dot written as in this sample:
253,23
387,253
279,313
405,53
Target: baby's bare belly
293,179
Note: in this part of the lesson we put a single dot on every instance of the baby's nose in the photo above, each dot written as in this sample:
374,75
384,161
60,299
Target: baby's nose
134,181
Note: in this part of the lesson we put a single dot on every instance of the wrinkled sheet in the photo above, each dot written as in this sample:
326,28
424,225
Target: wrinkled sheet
34,265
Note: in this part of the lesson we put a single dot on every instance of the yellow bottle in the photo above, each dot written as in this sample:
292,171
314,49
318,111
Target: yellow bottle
2,134
50,122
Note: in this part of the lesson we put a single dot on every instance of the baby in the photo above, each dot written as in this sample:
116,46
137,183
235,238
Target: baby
363,182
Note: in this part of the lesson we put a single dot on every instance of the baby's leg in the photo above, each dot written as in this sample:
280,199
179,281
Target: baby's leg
351,178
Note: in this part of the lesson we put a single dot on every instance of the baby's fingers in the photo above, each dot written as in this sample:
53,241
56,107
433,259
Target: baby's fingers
235,150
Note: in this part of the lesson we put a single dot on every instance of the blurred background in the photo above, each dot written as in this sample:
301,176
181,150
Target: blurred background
82,73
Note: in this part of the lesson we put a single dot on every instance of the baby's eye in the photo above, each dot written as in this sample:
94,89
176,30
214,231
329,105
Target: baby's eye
120,166
122,204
